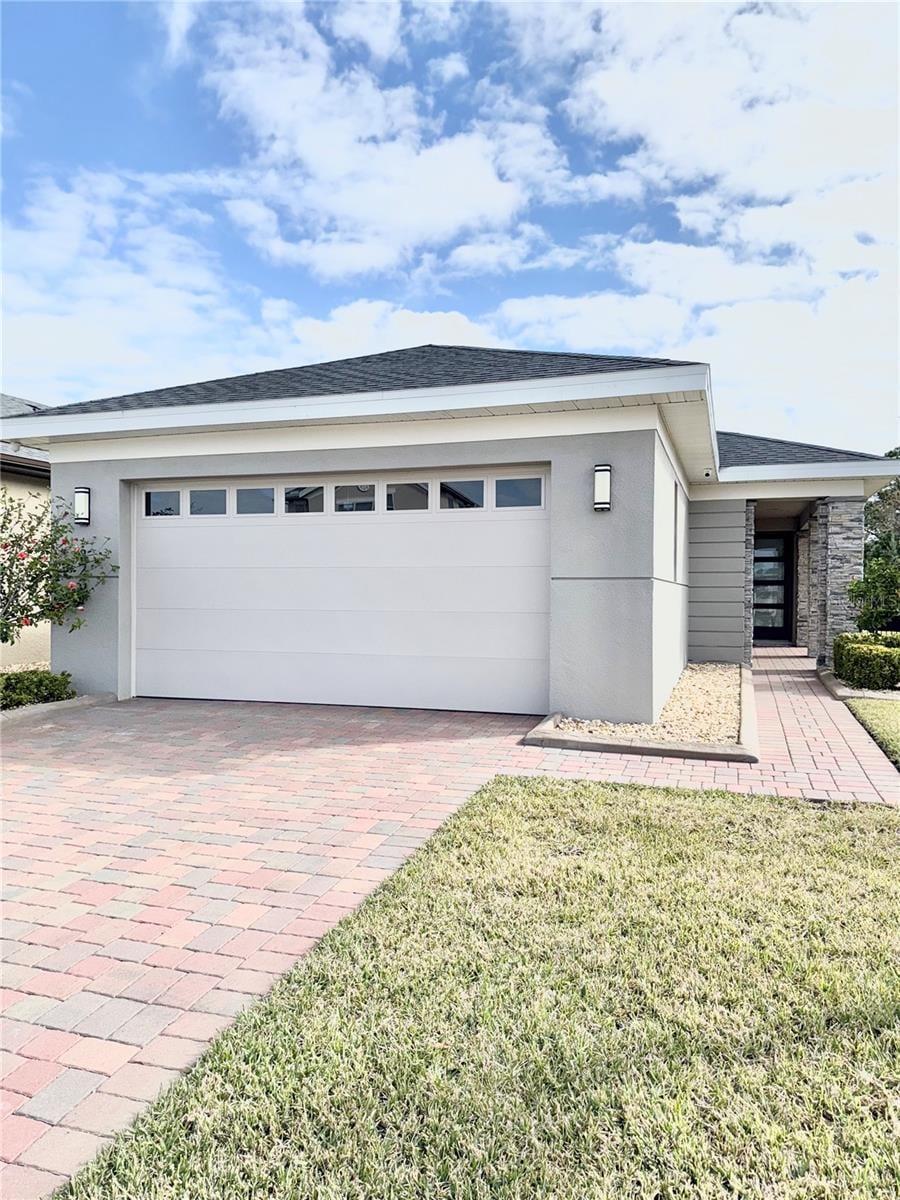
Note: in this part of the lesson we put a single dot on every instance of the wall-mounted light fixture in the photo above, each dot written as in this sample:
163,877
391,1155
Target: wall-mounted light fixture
602,488
81,507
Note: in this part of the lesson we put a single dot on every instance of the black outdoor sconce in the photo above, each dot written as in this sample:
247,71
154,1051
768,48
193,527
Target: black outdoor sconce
602,488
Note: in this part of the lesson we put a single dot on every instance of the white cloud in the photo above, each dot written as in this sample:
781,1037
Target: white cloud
178,18
603,321
102,298
764,102
436,20
373,23
359,177
449,68
824,372
701,276
367,326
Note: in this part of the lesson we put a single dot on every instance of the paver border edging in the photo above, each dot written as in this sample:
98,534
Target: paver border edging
745,750
841,691
18,716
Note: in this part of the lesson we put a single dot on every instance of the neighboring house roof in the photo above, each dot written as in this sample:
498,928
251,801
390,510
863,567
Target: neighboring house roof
16,459
748,450
394,370
15,406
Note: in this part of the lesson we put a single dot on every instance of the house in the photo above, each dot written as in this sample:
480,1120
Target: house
25,473
449,527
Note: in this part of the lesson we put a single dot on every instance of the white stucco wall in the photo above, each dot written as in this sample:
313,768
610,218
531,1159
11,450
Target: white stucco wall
33,645
670,591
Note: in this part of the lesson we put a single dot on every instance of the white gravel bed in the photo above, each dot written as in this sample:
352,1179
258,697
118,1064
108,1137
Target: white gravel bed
705,706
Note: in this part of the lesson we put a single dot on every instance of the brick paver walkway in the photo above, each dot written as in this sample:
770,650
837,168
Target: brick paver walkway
166,861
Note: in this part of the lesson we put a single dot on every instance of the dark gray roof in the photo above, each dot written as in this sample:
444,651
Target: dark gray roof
393,370
747,450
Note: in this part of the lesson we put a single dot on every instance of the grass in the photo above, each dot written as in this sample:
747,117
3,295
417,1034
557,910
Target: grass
573,992
882,719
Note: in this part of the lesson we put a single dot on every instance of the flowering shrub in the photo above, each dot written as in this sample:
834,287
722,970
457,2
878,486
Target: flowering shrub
49,569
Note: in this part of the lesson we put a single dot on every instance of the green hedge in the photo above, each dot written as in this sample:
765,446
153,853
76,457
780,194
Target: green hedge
34,687
868,660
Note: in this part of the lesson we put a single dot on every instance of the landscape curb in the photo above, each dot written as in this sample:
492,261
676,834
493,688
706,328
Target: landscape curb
840,691
21,716
746,750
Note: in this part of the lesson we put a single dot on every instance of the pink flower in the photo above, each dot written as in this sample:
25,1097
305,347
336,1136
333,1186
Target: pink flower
22,554
25,621
71,585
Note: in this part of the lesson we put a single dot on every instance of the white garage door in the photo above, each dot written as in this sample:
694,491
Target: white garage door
414,590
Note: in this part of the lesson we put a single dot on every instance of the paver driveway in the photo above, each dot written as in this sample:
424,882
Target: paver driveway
165,861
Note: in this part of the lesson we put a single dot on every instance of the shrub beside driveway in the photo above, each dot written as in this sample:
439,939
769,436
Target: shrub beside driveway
575,990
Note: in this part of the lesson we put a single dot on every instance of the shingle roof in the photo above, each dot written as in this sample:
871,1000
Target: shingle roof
393,370
15,406
747,450
17,458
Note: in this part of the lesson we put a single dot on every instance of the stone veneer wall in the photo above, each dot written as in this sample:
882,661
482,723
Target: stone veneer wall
801,588
749,545
842,544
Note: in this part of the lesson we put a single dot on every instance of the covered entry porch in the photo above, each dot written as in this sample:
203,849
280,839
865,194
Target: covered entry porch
800,559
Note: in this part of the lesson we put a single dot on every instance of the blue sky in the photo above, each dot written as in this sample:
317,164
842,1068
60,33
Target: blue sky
198,190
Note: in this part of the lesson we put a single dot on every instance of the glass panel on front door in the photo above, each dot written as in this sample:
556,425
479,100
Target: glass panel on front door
771,587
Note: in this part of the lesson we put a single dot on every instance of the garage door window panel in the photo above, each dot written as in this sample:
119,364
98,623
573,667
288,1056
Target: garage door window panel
208,502
462,494
303,498
256,501
519,492
354,497
407,497
162,504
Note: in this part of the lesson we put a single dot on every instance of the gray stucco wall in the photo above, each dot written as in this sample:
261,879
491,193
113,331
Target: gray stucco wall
601,590
716,601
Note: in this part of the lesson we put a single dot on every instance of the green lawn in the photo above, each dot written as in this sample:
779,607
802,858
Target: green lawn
882,719
575,991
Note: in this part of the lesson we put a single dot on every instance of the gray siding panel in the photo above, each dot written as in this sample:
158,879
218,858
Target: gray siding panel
717,530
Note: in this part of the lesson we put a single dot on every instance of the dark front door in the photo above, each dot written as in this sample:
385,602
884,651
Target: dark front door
773,587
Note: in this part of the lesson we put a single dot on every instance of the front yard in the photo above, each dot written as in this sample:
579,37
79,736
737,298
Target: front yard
882,719
574,991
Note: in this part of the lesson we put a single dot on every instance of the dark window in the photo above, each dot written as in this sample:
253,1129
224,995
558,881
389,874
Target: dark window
207,502
354,497
162,504
518,493
256,500
462,493
407,497
304,499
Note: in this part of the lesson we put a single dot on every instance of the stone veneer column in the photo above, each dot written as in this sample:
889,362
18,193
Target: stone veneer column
801,588
818,525
749,543
843,550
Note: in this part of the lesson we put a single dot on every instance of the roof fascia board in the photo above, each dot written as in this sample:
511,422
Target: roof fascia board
657,384
786,489
852,468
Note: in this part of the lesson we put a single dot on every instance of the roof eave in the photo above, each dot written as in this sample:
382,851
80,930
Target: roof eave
643,385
